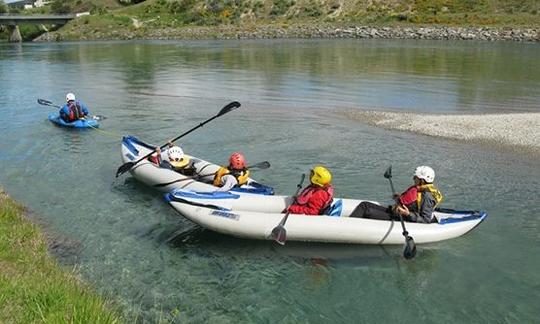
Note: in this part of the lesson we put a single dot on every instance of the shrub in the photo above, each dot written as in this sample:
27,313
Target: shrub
280,7
176,7
60,7
3,7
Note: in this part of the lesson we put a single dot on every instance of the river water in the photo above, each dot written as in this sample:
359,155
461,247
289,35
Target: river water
126,241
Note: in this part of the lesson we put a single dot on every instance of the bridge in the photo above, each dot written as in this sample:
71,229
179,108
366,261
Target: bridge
13,22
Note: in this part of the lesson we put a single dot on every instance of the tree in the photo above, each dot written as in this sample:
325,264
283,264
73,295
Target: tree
3,7
60,7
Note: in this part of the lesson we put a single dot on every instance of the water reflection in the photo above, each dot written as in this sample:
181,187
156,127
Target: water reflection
194,238
414,75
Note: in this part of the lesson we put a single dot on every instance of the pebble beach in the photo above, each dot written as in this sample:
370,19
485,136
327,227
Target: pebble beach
518,131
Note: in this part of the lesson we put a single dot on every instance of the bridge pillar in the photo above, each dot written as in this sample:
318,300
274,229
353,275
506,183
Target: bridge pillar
14,34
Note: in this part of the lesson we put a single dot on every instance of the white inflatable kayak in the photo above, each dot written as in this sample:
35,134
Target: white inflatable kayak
254,217
166,180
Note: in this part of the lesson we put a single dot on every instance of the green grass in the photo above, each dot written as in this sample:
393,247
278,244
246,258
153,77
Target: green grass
109,20
156,14
33,288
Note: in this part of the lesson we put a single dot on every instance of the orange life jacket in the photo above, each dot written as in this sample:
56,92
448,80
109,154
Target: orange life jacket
242,178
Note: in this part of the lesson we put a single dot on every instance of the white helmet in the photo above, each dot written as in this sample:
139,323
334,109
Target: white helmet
177,157
70,96
175,153
426,173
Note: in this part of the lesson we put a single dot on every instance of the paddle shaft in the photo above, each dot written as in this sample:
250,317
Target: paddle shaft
405,233
261,165
409,250
279,233
48,103
128,165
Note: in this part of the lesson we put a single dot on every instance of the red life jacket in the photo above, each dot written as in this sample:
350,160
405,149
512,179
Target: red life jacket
409,196
75,111
307,193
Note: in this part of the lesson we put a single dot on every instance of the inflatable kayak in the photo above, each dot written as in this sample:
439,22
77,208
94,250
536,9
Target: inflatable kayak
253,217
81,123
166,180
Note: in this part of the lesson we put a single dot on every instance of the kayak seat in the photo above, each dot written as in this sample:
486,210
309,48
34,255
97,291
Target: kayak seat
334,209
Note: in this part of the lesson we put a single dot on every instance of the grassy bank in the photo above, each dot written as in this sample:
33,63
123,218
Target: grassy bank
146,18
33,288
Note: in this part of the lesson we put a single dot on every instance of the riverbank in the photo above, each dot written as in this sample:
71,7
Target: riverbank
33,286
520,131
89,32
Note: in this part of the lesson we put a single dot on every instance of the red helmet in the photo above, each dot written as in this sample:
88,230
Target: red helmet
237,161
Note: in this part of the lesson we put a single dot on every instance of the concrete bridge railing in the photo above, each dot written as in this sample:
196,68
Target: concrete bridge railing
13,22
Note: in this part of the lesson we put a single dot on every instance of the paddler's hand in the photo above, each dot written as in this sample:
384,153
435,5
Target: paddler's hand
403,210
170,143
158,150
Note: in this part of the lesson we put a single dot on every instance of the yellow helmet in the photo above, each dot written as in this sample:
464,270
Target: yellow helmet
320,176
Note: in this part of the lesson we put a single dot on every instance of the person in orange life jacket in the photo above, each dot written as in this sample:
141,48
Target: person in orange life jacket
316,197
176,160
235,174
416,204
73,109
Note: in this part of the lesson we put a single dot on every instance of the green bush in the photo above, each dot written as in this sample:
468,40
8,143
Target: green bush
3,7
180,6
60,7
280,7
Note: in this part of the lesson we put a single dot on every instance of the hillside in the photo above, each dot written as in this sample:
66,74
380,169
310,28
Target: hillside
147,19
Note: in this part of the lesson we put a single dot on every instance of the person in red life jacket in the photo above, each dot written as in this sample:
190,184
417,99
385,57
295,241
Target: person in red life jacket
416,204
235,174
73,109
316,197
176,160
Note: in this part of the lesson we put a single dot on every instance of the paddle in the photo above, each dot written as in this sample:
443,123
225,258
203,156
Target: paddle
279,233
261,166
48,103
229,107
409,249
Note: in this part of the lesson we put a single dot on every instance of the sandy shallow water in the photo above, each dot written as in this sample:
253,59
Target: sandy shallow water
519,131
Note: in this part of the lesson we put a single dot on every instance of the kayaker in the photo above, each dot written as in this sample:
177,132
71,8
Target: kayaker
316,197
416,204
176,160
235,174
73,109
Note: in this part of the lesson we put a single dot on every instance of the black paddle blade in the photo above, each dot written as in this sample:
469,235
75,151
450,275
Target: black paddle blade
124,168
44,102
409,250
229,107
260,165
47,103
279,234
388,172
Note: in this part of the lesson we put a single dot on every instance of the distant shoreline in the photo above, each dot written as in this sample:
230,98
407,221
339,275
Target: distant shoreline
84,32
519,131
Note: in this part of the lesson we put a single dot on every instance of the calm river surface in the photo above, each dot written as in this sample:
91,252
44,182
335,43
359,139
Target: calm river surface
127,242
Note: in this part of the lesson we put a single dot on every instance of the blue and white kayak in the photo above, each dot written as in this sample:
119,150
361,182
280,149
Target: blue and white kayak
254,217
166,180
81,123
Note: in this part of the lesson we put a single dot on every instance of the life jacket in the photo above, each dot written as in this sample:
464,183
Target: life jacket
75,111
242,178
409,196
306,194
434,191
